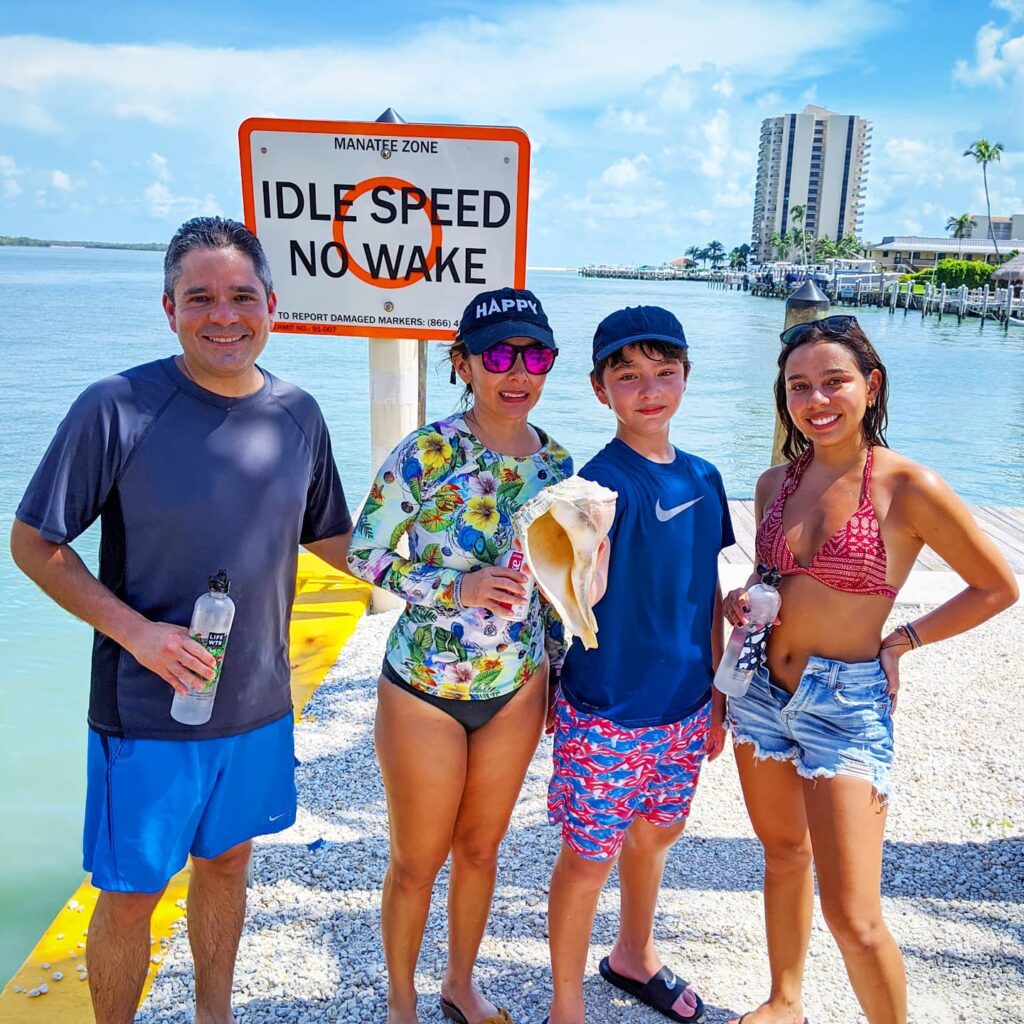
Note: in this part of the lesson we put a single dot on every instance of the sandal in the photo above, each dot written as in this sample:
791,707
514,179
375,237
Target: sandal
451,1012
659,992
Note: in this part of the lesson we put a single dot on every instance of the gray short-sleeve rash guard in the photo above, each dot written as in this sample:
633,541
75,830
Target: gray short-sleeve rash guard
185,483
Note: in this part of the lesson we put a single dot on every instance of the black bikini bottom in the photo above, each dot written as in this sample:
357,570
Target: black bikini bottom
470,714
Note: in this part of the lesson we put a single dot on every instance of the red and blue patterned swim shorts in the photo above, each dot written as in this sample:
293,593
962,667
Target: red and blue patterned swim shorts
605,775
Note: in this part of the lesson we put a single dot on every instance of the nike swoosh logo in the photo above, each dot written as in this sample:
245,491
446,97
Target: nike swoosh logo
274,817
665,514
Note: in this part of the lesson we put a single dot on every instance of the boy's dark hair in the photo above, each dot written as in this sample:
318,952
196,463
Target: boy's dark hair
876,416
214,233
653,348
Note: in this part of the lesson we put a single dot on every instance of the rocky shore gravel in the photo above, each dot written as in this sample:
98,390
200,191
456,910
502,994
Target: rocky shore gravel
953,881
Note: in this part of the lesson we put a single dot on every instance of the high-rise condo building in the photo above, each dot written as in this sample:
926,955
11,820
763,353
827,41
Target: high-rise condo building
817,160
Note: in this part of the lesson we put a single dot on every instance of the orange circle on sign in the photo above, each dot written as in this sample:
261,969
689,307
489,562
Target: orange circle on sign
360,271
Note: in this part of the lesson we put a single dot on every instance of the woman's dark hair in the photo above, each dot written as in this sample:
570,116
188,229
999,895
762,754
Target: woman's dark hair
876,416
653,348
458,347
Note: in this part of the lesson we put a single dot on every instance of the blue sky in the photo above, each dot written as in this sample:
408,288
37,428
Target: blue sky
118,121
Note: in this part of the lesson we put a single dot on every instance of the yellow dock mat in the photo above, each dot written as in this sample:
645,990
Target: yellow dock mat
328,606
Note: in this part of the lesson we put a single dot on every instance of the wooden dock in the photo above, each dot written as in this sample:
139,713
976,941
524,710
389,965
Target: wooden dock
1003,524
1001,305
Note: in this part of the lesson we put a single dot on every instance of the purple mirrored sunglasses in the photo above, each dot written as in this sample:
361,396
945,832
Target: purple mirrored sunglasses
538,359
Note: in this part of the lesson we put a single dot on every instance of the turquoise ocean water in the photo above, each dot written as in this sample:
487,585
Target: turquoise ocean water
70,316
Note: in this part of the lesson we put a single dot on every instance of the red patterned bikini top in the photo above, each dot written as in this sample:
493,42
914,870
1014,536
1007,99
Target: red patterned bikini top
852,560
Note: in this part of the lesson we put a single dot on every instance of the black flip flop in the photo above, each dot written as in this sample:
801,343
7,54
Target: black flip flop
659,993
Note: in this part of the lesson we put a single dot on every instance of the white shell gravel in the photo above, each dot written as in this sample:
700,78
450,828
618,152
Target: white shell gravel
953,884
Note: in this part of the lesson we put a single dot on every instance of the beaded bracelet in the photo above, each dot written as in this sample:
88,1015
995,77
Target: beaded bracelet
911,634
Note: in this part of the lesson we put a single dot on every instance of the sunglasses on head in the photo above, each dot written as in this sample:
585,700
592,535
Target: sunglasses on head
832,325
500,358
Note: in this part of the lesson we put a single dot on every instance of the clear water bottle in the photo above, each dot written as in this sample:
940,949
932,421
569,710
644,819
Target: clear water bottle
211,622
745,648
515,559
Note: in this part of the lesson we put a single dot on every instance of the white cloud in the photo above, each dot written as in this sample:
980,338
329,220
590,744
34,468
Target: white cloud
997,58
631,122
733,197
1015,8
61,180
158,165
625,172
716,134
541,183
144,111
590,53
162,203
9,172
724,87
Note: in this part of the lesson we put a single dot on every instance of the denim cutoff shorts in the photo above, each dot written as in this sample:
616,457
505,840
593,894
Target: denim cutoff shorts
838,721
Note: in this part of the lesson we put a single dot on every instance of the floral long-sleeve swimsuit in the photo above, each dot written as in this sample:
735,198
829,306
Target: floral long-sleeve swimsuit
454,499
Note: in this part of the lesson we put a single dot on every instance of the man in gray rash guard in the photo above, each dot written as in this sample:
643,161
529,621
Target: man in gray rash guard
194,463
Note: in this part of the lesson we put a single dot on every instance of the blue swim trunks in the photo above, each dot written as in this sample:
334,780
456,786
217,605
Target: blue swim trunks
150,803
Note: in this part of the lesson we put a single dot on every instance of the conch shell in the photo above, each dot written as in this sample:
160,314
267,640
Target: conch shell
561,530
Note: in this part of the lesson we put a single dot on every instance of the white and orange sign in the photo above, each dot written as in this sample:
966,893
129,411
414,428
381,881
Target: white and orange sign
384,230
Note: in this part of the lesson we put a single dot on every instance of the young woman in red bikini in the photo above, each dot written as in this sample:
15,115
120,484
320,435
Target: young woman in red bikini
843,521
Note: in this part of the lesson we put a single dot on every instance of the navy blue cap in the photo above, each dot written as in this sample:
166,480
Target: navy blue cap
496,316
636,323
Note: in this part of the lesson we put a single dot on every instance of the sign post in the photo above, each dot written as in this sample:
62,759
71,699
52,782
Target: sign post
385,230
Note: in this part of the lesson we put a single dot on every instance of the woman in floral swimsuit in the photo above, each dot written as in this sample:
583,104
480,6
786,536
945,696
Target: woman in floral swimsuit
463,688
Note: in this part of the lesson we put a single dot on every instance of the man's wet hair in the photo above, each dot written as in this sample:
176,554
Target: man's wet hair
214,233
653,348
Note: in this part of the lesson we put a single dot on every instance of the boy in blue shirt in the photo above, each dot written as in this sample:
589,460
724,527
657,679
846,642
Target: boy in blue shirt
634,719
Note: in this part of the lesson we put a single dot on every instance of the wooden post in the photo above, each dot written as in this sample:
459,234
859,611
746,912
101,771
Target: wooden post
394,412
984,304
1009,305
807,303
942,301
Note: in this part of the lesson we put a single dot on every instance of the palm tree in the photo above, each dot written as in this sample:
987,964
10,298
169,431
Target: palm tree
797,241
985,153
739,257
850,247
716,252
961,228
778,245
825,248
693,252
796,217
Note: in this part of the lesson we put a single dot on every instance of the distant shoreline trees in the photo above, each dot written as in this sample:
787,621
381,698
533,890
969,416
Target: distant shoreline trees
43,243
